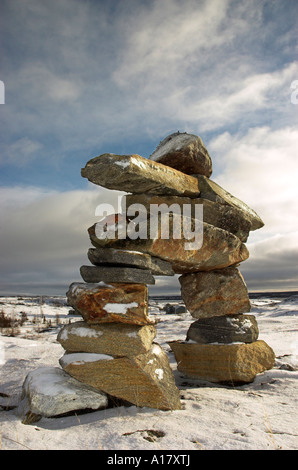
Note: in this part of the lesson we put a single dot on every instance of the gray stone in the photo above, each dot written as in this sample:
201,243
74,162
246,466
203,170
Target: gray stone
50,391
174,309
222,216
94,274
184,152
135,174
226,329
212,191
111,257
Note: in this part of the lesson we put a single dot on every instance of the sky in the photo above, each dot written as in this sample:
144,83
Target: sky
82,78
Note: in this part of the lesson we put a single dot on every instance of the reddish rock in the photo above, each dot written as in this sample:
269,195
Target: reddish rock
215,293
106,303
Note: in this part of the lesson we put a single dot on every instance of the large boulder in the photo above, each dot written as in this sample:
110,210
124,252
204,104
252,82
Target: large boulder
185,152
144,380
109,303
135,174
50,391
116,339
233,363
215,293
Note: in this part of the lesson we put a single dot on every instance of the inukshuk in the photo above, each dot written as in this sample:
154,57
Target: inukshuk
113,349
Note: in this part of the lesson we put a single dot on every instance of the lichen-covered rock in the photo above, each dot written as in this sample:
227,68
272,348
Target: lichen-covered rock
212,191
116,339
215,293
185,152
108,303
210,248
226,329
222,216
144,380
111,257
135,174
121,274
232,363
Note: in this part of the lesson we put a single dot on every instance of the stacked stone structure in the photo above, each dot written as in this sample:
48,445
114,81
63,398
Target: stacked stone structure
112,350
222,344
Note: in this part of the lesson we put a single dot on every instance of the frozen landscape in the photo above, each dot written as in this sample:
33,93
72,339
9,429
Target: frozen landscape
261,415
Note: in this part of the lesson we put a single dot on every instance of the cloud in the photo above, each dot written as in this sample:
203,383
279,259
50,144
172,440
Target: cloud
86,74
44,238
21,152
260,168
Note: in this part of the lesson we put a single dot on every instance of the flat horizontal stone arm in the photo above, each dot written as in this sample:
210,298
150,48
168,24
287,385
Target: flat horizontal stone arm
135,174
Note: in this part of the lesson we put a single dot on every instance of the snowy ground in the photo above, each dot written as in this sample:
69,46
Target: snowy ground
261,415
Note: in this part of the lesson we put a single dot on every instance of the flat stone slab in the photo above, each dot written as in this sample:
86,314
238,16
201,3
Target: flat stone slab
135,174
109,303
218,250
212,191
223,216
50,391
232,363
93,274
184,152
116,339
111,257
215,293
144,380
227,329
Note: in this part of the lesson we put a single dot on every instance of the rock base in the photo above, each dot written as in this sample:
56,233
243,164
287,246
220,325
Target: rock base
223,363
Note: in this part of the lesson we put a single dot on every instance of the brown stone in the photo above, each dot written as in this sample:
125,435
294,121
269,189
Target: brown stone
220,215
232,363
215,293
144,380
135,174
219,249
212,191
115,339
185,152
106,303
